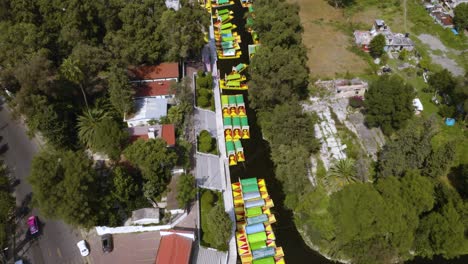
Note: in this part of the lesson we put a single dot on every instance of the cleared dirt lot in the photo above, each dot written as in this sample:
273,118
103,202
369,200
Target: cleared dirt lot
327,46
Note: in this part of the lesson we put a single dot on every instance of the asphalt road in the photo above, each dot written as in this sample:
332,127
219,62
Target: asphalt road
56,243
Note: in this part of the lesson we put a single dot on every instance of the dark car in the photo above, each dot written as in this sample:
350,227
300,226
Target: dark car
107,244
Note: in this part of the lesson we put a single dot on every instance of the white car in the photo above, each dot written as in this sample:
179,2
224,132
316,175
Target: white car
83,248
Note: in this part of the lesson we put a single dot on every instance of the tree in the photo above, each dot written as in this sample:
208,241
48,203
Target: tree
440,160
460,18
110,138
342,172
64,187
155,161
205,142
125,189
120,90
72,72
186,189
88,124
442,82
220,226
377,46
7,205
389,103
409,150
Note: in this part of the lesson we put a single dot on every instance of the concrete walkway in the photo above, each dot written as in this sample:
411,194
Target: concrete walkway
204,120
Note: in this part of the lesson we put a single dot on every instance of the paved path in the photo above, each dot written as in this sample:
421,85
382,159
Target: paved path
57,241
436,45
204,120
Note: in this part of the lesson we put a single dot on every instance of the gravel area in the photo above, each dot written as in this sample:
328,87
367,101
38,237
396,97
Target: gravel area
449,64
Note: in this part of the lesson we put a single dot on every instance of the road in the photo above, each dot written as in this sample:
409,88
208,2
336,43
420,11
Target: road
56,242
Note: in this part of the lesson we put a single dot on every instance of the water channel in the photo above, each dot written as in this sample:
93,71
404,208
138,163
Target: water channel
258,164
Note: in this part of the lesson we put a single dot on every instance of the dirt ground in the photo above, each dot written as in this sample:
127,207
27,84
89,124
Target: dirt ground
327,46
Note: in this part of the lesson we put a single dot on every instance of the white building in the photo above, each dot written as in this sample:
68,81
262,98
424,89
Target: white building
147,109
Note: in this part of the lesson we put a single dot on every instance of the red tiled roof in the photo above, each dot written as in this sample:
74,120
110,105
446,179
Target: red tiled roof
174,249
153,89
161,71
168,134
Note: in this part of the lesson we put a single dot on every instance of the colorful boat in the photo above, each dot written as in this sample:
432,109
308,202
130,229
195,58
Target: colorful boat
227,124
245,127
252,50
239,149
256,241
231,153
225,11
222,55
246,3
236,127
239,68
221,3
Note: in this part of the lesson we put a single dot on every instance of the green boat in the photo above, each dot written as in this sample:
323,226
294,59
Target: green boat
239,148
249,22
240,67
224,100
227,122
240,100
227,45
223,11
249,188
236,122
225,39
231,101
226,32
248,181
230,148
253,49
258,245
269,260
226,26
251,9
255,211
233,84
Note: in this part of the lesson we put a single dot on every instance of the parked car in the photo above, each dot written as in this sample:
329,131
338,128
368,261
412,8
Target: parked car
107,243
83,248
33,224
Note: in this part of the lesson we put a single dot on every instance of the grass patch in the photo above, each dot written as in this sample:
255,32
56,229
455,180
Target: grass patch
321,171
456,135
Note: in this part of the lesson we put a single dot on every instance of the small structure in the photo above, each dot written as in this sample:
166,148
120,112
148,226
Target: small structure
454,3
175,247
174,4
394,41
145,216
146,110
343,88
443,19
450,121
418,107
165,132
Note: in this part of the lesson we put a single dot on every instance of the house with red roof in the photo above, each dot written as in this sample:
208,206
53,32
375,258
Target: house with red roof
165,132
175,247
155,80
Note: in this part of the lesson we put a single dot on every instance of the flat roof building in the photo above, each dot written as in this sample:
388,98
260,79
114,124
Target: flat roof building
147,109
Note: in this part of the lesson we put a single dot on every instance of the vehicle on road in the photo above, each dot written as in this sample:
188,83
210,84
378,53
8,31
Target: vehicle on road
107,243
83,248
33,224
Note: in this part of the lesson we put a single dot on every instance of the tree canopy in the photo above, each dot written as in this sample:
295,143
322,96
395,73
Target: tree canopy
377,46
389,103
460,18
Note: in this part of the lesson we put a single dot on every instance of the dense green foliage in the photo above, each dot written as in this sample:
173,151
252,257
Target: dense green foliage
215,222
389,103
377,45
340,3
186,189
64,187
460,18
59,57
155,161
205,97
442,82
206,143
7,205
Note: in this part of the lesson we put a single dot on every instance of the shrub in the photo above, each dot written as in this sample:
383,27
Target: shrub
356,102
205,142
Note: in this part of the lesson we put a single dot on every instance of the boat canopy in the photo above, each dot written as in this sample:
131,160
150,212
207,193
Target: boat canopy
226,26
257,219
263,253
238,146
250,188
240,67
269,260
223,11
227,121
254,203
239,99
248,181
226,31
230,147
221,2
260,236
231,100
227,45
234,76
230,38
229,52
233,83
236,121
224,17
250,196
249,22
251,9
224,100
251,229
244,121
258,245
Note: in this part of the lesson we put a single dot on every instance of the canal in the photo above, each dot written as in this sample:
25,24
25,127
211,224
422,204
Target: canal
258,164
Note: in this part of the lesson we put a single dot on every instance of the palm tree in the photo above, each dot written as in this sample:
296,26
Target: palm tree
73,73
88,123
342,172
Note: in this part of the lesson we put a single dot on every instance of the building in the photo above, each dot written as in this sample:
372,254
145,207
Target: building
145,216
167,71
394,41
165,132
174,4
156,89
175,247
343,88
443,19
147,109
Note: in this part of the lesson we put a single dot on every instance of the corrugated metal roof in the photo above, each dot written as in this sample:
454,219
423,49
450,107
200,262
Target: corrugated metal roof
210,256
